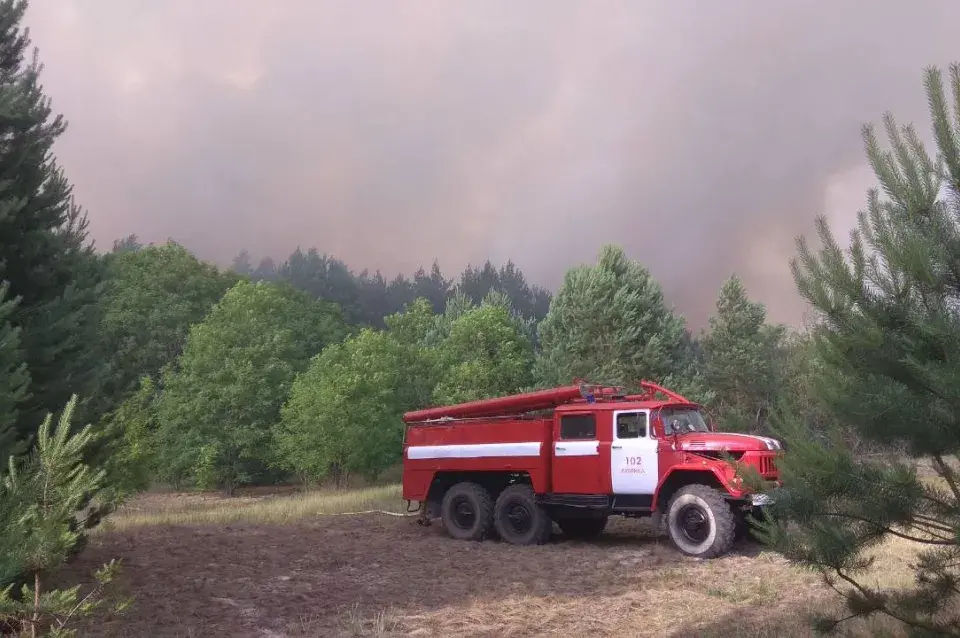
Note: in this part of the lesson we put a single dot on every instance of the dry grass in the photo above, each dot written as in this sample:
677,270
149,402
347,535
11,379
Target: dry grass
201,509
743,597
686,597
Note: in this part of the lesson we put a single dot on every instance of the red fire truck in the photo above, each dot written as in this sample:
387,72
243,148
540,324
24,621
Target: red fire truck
575,455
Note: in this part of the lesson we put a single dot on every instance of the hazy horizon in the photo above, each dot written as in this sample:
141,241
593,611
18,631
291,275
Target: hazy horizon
702,138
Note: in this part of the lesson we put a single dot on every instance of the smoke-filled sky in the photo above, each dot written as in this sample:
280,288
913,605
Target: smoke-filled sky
701,136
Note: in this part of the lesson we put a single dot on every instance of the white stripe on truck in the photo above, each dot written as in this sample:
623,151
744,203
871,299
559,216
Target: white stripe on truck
473,451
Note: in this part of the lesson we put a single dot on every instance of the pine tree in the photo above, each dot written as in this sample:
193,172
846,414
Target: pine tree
888,340
739,357
13,377
44,256
129,244
39,499
609,323
242,263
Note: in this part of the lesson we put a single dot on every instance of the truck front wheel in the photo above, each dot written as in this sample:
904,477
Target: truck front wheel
700,522
518,518
467,512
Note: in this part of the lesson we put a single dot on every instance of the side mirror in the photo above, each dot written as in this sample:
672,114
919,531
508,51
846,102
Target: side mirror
656,427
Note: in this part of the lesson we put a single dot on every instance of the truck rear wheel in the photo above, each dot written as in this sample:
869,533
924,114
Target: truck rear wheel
467,512
700,522
518,518
582,528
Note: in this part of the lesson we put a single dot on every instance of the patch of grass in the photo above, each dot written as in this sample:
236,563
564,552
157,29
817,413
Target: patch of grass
351,623
193,509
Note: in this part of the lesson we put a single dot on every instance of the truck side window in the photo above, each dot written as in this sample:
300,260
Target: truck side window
631,425
578,426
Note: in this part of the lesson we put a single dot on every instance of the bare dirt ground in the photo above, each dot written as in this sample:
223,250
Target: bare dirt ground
376,575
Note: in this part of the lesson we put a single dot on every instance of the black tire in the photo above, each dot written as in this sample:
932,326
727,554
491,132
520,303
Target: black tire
700,522
467,512
582,528
518,519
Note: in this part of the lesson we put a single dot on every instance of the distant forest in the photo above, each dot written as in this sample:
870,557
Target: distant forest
365,299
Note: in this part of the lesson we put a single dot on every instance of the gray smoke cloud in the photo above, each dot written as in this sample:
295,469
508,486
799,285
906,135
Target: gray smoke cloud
701,136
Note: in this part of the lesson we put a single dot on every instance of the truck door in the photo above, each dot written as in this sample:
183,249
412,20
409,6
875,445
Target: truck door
633,454
578,466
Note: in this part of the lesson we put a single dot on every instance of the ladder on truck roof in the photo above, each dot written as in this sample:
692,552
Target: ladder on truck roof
519,404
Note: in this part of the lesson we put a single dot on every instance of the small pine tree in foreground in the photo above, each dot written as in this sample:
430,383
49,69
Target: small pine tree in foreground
39,498
888,339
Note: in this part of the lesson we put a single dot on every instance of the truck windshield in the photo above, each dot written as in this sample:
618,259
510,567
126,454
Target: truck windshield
682,420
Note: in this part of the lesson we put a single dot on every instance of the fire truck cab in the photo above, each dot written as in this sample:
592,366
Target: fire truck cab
575,455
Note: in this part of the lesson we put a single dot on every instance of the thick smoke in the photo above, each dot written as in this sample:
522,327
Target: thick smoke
702,136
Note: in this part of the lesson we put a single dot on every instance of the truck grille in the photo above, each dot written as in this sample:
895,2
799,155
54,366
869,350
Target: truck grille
767,466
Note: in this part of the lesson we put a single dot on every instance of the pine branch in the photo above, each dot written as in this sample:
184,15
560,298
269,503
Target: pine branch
886,530
833,624
933,523
948,475
884,608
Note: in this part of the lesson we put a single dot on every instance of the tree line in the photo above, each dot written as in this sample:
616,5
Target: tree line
220,379
366,299
145,364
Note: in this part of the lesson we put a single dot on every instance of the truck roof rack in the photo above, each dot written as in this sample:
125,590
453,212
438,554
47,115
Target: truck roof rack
518,404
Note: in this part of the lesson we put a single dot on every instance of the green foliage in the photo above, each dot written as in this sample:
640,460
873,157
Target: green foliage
39,498
236,370
416,325
153,297
343,415
477,284
13,377
609,323
485,353
417,333
130,428
127,244
368,299
802,371
888,366
741,361
323,277
44,256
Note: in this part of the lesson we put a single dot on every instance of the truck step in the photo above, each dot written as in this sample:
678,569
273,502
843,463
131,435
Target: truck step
587,501
633,502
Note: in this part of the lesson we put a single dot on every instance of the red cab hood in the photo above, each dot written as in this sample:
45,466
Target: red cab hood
716,441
